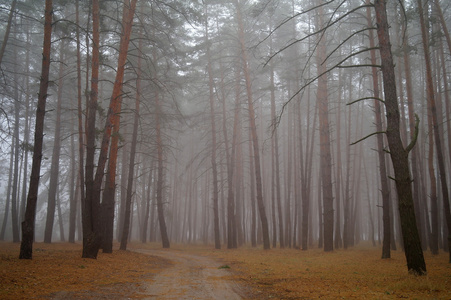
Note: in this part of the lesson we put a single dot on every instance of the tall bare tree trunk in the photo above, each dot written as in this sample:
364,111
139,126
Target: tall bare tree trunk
380,147
26,138
306,177
81,177
128,201
26,246
160,175
16,149
436,123
213,139
90,207
253,128
326,161
399,154
94,237
275,163
54,168
338,243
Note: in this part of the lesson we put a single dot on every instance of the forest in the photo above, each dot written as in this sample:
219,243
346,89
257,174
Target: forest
269,123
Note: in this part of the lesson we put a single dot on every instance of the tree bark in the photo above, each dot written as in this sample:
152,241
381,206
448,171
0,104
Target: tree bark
26,246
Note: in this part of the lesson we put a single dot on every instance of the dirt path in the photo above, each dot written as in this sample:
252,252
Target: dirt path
190,277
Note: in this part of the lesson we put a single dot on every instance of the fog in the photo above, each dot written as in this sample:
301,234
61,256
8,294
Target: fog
257,121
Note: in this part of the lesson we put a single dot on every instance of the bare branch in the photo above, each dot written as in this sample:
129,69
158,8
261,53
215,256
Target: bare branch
330,24
348,38
356,66
338,65
364,138
365,98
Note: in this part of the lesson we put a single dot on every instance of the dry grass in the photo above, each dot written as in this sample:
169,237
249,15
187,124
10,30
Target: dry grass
58,271
357,273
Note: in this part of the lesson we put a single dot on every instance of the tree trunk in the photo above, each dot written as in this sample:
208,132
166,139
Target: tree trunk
275,162
8,194
91,248
326,162
160,175
109,192
443,23
128,201
380,147
252,195
54,168
436,124
338,177
148,204
26,133
213,140
7,31
399,155
26,246
306,177
81,177
91,207
231,224
253,128
73,189
15,184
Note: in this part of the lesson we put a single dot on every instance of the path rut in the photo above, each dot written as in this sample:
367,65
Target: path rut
191,277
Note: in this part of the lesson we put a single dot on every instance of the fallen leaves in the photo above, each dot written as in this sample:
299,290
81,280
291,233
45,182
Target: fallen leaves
354,273
58,270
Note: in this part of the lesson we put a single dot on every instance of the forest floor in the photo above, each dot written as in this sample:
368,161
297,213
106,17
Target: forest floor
57,271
